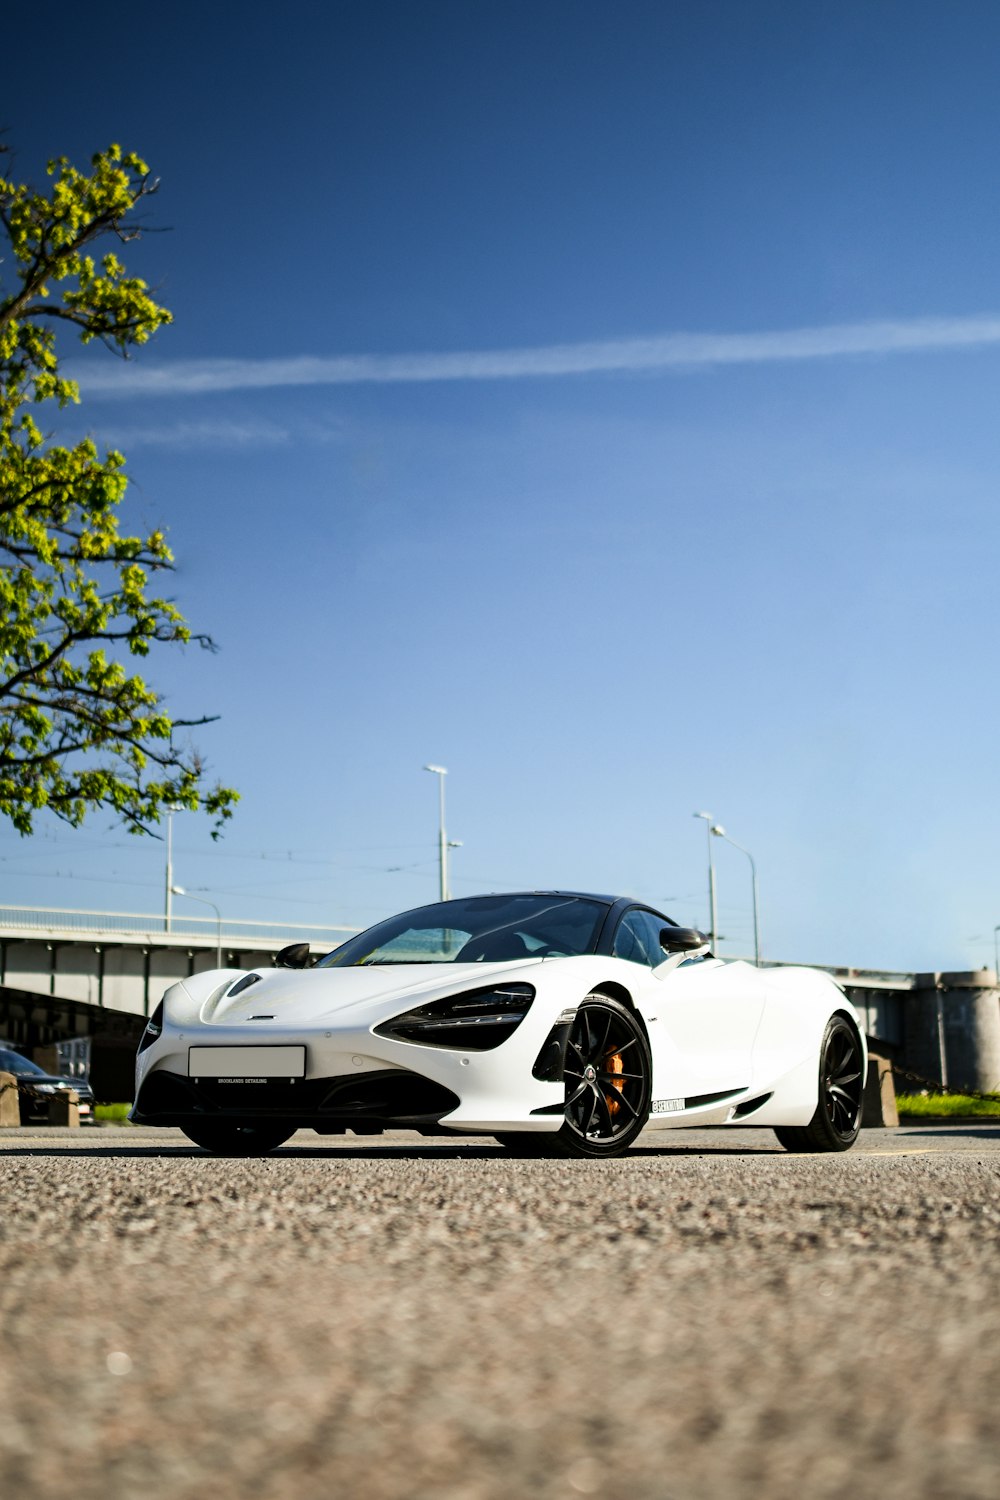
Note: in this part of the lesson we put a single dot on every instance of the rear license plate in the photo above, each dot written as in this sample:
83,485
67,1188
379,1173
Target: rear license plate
247,1064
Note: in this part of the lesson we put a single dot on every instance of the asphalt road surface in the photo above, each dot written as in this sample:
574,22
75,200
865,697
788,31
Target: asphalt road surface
398,1319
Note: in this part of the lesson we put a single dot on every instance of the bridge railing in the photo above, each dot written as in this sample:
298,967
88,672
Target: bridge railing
45,919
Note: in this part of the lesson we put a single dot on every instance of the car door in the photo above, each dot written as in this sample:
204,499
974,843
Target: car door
702,1014
707,1019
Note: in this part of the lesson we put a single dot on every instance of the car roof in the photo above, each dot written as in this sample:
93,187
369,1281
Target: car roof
572,895
621,902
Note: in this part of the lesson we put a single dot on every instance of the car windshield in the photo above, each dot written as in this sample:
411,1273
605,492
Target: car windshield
13,1062
479,929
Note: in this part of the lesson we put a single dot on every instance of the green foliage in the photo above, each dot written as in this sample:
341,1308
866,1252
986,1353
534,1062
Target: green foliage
112,1114
939,1106
79,728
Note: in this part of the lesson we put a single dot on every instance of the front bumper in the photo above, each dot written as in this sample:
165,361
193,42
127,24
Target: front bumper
354,1080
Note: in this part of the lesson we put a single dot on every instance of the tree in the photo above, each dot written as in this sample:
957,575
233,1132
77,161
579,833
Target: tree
80,729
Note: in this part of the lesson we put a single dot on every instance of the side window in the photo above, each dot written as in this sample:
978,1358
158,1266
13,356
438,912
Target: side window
653,926
638,938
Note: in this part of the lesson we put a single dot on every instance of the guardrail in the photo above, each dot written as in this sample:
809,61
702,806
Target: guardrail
44,919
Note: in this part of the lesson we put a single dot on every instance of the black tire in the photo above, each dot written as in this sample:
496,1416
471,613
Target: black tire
837,1121
608,1077
229,1138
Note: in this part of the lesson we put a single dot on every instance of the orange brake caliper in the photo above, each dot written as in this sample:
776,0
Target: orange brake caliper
613,1064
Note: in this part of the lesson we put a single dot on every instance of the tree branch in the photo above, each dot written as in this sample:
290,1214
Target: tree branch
79,733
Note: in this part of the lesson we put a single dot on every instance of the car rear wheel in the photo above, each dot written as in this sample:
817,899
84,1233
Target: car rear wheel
837,1121
226,1138
608,1077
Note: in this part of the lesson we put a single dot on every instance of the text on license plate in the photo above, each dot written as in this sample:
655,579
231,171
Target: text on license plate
249,1064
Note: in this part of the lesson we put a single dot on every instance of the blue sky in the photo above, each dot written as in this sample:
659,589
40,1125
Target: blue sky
732,546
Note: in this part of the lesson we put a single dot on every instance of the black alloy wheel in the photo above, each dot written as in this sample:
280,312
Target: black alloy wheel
837,1121
608,1073
230,1138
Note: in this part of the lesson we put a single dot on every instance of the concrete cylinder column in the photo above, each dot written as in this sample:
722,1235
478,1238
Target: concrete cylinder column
952,1024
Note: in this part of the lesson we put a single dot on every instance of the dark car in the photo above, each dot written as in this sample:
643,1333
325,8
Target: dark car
36,1088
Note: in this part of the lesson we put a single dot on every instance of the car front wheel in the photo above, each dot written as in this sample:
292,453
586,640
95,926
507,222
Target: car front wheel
608,1075
608,1080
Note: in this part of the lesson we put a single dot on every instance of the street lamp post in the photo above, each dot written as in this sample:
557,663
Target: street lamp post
441,772
996,954
721,833
170,867
712,914
178,890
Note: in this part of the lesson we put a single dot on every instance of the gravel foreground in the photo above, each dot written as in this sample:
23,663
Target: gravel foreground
410,1325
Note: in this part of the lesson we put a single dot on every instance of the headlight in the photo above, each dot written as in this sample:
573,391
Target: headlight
153,1028
46,1088
474,1021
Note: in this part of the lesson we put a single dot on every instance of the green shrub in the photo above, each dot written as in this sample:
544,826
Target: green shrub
922,1105
112,1114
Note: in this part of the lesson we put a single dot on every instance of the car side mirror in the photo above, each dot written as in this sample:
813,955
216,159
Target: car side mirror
295,956
682,939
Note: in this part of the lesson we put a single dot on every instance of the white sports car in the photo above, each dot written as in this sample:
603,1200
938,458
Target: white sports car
557,1022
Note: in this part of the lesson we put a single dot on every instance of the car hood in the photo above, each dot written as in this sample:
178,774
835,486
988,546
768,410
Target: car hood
290,997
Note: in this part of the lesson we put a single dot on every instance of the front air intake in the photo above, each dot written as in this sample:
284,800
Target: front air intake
154,1026
391,1098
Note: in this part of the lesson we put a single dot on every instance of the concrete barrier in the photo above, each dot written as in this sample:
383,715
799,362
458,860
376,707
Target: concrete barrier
879,1107
10,1110
64,1109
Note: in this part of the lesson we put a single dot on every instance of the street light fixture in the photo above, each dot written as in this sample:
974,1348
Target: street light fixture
720,833
178,890
441,772
712,913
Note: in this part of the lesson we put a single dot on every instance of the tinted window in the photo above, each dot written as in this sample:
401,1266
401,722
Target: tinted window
638,938
480,929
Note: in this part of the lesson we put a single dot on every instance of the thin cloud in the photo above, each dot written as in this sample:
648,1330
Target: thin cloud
672,351
197,435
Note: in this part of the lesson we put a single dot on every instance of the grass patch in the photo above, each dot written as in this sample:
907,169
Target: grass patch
112,1114
919,1106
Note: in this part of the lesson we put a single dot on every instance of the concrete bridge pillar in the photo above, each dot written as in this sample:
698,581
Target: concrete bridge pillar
952,1024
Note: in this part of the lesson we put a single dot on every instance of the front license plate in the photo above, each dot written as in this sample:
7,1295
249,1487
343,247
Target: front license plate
247,1064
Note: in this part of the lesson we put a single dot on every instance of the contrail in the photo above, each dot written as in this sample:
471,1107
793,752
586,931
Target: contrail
670,351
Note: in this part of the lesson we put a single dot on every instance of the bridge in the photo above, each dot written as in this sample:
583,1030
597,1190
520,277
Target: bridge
92,977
